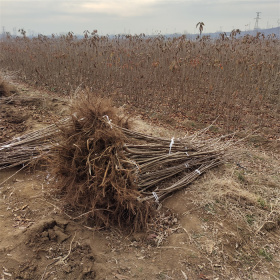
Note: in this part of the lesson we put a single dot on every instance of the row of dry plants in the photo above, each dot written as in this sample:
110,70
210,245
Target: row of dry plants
237,79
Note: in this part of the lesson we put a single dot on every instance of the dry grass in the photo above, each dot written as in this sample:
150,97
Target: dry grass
241,209
236,79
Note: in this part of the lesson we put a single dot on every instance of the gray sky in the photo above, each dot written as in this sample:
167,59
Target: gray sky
135,16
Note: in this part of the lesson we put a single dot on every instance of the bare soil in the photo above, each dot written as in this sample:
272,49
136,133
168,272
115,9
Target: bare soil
226,225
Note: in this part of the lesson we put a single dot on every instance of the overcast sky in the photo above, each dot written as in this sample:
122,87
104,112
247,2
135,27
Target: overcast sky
135,16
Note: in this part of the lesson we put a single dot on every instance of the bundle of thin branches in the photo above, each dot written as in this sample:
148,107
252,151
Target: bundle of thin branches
154,156
166,165
156,159
91,171
19,99
29,147
109,171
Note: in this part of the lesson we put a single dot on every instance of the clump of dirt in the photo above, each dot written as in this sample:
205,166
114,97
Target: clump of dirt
12,121
6,89
49,230
16,117
48,240
93,174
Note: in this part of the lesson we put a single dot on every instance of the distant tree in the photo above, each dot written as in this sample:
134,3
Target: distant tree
8,35
22,32
86,32
234,32
223,36
200,24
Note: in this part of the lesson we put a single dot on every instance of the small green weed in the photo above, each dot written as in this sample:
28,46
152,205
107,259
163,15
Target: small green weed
241,177
250,219
262,203
214,128
264,253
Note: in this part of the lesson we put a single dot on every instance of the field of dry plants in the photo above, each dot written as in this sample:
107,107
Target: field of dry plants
224,225
236,79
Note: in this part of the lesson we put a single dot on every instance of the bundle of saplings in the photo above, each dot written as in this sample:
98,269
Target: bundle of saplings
91,170
109,173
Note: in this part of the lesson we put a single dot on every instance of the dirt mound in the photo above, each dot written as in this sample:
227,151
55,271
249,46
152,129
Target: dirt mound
12,121
50,239
6,89
49,230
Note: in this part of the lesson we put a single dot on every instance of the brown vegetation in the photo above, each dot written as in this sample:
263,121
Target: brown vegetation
91,171
234,78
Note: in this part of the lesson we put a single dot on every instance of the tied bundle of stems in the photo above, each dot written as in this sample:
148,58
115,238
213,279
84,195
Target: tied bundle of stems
112,173
163,166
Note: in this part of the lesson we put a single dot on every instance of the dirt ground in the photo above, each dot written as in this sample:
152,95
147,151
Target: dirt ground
226,225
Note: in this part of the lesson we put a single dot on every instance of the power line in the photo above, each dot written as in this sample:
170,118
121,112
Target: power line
257,21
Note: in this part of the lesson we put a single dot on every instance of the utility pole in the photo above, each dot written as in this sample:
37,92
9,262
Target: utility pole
3,32
257,21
